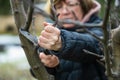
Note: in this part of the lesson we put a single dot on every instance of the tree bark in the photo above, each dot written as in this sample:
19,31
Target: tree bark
116,51
29,48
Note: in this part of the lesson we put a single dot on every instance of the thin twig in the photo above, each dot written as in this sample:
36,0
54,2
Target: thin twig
29,17
81,25
76,18
23,11
91,33
40,11
106,37
55,14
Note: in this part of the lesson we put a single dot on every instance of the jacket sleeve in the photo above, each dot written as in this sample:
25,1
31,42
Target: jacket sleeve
73,44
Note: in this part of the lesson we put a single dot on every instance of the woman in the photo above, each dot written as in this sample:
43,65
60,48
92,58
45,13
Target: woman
69,61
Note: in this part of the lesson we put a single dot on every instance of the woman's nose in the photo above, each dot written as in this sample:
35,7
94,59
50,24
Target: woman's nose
65,10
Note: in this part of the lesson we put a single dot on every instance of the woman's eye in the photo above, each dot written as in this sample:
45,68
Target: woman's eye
58,7
71,4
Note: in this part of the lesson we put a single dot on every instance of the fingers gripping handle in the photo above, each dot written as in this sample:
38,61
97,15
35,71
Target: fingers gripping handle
46,51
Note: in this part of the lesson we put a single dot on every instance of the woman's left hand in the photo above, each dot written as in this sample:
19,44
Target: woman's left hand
50,61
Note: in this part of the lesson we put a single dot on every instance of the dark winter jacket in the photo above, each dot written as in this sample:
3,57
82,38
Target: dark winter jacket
75,64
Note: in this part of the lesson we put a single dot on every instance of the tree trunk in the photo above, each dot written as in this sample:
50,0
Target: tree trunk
29,48
116,51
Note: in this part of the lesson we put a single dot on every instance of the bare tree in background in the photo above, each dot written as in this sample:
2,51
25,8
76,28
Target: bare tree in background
23,11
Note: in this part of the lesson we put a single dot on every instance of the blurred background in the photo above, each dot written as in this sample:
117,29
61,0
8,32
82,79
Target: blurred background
13,62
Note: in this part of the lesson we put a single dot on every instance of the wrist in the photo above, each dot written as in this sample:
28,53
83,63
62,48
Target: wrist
58,44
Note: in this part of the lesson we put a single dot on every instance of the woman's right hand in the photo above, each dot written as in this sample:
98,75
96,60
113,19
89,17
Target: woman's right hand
50,61
50,37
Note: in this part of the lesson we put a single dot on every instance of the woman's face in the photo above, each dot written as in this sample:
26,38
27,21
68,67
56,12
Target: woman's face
69,9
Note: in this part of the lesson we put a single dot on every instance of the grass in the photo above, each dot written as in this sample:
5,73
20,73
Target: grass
9,71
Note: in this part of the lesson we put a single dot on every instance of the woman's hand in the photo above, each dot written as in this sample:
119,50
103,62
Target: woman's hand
50,61
50,37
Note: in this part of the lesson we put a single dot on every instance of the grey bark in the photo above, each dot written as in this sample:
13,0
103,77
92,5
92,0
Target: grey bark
29,48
